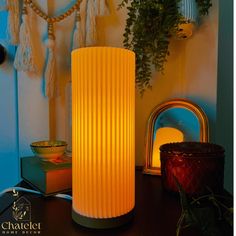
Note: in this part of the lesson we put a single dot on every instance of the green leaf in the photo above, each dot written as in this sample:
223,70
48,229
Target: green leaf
148,30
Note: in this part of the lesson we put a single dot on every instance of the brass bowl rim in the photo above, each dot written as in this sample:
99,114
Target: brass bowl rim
57,143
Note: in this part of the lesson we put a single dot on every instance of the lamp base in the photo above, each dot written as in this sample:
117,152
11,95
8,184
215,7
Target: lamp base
102,223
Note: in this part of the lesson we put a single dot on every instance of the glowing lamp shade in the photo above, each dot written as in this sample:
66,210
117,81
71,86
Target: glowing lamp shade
103,112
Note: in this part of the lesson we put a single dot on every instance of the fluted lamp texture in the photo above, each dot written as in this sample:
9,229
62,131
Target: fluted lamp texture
103,152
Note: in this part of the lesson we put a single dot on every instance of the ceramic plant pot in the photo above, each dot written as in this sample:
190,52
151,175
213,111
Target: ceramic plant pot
188,9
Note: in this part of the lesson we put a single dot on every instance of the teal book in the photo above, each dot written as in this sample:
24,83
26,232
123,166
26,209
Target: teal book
48,177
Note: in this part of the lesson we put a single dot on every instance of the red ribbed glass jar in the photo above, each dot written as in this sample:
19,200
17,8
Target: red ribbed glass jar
196,166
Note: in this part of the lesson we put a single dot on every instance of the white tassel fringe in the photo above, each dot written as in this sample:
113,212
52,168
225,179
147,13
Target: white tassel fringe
78,36
91,34
49,74
94,8
24,59
102,8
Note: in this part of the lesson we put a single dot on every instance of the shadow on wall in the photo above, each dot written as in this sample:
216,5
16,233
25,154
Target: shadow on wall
210,109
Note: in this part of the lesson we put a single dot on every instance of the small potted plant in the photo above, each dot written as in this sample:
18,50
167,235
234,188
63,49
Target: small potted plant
149,26
204,213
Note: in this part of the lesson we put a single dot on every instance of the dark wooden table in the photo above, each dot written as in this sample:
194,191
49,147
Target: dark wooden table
156,213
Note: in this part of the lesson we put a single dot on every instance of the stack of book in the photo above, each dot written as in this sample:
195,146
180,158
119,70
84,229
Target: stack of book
48,177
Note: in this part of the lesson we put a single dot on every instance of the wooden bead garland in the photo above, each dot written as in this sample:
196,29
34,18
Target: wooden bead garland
49,74
53,19
83,35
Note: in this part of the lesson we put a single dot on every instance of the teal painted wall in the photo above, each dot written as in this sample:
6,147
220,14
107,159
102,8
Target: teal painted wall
23,107
224,119
9,154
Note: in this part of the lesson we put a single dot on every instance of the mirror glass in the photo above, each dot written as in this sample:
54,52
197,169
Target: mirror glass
176,120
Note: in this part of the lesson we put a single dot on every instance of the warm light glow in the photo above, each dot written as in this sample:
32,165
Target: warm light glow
164,135
103,102
185,30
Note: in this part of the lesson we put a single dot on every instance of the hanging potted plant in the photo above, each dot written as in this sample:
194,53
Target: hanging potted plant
149,27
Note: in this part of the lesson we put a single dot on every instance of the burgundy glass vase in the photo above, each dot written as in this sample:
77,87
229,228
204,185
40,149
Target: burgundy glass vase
197,166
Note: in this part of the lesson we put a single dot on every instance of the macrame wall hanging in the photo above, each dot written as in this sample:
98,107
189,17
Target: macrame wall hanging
20,34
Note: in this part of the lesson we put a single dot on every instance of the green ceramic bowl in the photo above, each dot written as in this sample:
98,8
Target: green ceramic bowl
48,150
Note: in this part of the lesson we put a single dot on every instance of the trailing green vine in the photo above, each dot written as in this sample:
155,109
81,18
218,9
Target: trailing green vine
203,6
205,213
149,27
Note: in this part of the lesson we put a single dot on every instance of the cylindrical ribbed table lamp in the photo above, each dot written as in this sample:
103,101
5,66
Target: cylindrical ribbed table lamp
103,126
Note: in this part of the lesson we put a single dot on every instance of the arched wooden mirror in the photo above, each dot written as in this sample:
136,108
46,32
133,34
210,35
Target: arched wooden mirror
176,120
